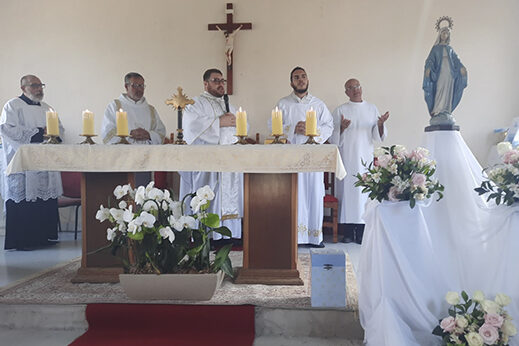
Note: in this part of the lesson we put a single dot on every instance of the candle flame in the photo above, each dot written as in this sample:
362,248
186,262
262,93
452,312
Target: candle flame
121,110
311,109
277,109
239,110
51,110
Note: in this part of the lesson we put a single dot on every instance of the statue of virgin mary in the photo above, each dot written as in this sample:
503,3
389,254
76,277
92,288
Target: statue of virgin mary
445,77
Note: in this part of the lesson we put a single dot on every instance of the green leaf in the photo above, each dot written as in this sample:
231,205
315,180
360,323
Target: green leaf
223,231
211,220
227,267
136,236
465,296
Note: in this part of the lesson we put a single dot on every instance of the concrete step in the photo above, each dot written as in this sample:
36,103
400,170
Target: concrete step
61,324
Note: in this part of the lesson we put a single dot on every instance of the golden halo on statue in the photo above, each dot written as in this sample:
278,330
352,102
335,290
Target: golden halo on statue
444,19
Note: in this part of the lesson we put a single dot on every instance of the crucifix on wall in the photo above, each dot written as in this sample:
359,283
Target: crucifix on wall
230,29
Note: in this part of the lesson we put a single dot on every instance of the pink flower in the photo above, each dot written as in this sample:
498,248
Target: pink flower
448,324
511,156
393,191
418,179
494,320
488,333
384,160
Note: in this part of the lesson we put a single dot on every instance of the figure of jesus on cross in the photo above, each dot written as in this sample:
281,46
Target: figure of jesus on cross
229,30
229,43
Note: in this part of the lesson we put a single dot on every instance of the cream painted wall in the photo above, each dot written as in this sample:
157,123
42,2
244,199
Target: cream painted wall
82,49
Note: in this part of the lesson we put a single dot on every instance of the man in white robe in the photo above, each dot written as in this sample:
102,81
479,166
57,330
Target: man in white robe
211,120
357,125
310,186
30,197
144,123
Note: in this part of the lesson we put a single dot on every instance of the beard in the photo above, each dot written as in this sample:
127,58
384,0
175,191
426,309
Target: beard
300,91
35,97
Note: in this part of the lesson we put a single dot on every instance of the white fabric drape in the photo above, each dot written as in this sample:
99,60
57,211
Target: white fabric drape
410,258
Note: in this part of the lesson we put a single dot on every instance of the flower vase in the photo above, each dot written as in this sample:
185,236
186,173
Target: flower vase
171,286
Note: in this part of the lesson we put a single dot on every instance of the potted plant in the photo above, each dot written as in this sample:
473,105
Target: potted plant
158,242
399,175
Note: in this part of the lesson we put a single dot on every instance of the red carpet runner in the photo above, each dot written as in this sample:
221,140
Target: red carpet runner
159,324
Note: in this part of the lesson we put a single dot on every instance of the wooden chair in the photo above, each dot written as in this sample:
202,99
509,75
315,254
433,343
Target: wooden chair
71,197
331,202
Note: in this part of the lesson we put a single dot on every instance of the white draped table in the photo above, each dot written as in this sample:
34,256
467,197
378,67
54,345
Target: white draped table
410,258
270,194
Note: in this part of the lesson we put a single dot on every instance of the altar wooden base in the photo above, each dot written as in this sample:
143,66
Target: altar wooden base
269,277
270,230
96,189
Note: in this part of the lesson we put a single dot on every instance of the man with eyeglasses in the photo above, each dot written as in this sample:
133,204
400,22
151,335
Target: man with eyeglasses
211,120
31,197
144,122
357,125
310,187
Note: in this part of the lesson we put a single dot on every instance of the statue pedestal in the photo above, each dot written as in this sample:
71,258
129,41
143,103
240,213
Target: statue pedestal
432,128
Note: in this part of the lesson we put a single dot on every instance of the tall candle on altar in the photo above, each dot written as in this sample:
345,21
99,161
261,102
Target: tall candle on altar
52,123
311,123
277,122
241,123
88,123
121,119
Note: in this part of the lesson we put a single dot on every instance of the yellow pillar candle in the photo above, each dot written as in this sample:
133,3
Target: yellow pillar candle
277,122
311,123
121,119
241,123
52,123
88,123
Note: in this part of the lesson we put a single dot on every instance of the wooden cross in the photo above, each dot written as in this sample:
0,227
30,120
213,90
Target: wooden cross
230,29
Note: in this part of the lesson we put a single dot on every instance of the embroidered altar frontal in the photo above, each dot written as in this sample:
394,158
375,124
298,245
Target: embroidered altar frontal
328,281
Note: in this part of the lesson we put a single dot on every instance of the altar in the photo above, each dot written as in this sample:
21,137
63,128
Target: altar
270,194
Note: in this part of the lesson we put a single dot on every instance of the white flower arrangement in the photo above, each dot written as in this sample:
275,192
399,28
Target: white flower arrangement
157,237
476,321
399,175
503,183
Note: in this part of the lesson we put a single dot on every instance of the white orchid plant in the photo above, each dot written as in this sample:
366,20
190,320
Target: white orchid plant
477,321
502,185
152,234
397,174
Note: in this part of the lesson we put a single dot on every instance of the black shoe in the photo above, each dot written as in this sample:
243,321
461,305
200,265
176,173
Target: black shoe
320,245
25,248
359,234
50,242
349,236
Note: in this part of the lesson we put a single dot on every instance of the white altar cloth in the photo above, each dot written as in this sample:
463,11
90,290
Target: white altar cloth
275,158
410,258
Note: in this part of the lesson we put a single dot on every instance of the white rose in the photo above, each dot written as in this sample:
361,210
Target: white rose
502,299
379,152
508,328
461,321
452,298
503,147
478,296
474,339
490,307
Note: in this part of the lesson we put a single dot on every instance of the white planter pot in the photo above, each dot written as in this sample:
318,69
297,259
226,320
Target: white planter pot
171,286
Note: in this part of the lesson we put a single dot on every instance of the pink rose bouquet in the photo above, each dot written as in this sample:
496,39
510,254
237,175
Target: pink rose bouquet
399,175
476,321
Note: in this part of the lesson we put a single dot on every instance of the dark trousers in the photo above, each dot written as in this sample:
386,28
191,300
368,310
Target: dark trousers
30,224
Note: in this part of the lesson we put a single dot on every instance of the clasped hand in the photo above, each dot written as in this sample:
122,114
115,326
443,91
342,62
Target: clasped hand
228,120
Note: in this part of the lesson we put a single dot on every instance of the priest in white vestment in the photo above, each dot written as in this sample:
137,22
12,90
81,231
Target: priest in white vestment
357,125
310,186
144,124
211,121
30,197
